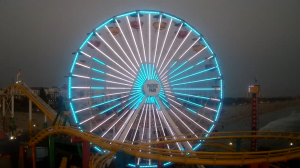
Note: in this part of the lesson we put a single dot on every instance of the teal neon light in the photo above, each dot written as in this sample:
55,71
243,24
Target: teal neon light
97,87
98,96
218,111
207,46
97,70
193,88
192,29
178,67
105,102
173,64
110,108
98,79
76,56
104,24
166,105
203,80
149,12
172,17
126,14
87,39
74,115
215,58
195,104
192,110
182,72
200,97
98,61
70,86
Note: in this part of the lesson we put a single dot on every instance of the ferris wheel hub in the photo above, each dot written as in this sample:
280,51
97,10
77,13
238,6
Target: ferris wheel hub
151,87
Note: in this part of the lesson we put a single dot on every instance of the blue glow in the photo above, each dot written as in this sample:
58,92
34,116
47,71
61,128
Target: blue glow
129,103
178,67
157,104
215,58
163,98
149,12
87,39
98,96
98,149
105,102
98,61
172,17
200,62
70,86
97,87
167,163
218,111
173,64
110,108
144,71
193,88
76,56
192,29
147,72
97,70
195,104
126,14
221,89
98,79
207,46
210,130
192,110
75,117
166,105
201,97
104,24
193,74
197,146
182,71
203,80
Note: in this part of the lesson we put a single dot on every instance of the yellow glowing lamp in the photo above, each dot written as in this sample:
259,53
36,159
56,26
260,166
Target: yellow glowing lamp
254,89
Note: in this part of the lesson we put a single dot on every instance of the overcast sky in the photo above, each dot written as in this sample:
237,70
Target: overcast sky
251,38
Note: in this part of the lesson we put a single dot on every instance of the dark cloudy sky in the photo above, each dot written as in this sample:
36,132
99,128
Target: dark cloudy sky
251,38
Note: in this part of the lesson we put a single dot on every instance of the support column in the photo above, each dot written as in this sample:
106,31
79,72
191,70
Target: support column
238,145
12,106
33,156
45,122
51,151
85,154
30,117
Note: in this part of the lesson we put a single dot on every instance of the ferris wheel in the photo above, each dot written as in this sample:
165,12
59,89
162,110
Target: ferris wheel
146,74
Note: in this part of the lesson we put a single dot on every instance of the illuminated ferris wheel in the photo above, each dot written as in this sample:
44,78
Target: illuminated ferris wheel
146,74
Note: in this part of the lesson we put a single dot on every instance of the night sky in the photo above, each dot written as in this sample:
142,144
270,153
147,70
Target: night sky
251,38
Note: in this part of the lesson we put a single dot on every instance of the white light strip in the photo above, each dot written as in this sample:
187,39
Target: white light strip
115,52
164,73
138,124
118,77
83,65
141,32
210,109
121,48
170,47
164,43
170,129
81,76
189,48
123,125
214,99
155,122
82,110
80,87
134,39
116,88
196,54
158,30
103,122
189,118
149,133
110,58
175,52
81,98
173,100
114,124
127,43
129,128
162,128
118,83
184,124
116,93
86,54
144,122
149,38
119,72
87,120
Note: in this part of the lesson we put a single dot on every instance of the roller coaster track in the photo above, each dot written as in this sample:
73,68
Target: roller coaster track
188,157
43,106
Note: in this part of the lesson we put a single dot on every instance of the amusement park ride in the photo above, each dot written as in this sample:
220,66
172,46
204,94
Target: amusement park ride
153,90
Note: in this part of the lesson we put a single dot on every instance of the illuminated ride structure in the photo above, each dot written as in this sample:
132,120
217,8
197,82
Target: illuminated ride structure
143,75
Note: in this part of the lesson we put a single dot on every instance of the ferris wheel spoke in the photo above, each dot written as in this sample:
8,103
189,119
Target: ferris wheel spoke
131,120
137,49
168,120
110,59
120,72
175,52
138,124
196,81
141,33
189,118
197,73
162,128
108,81
199,97
155,125
115,52
170,48
157,37
118,78
164,43
103,122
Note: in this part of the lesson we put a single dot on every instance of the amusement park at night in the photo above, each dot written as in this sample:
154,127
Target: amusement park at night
149,84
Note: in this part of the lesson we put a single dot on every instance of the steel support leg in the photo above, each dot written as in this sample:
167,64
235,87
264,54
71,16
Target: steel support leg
51,151
85,154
